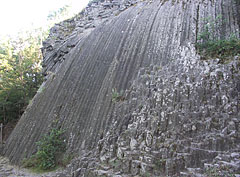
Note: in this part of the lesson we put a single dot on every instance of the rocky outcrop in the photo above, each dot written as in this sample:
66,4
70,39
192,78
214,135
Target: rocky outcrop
178,115
183,123
65,35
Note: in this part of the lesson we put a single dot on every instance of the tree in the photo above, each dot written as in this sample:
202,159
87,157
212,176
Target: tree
59,15
20,73
20,68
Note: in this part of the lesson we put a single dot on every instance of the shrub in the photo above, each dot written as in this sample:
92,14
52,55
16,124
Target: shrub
219,48
210,28
209,46
50,150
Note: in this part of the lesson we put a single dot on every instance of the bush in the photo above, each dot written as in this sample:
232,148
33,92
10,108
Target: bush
50,150
220,48
209,45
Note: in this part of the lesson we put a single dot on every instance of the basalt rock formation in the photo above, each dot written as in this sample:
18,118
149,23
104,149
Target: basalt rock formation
65,35
176,115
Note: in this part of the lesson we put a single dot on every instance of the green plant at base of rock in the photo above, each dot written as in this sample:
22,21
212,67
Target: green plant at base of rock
66,159
116,97
218,172
159,164
219,49
209,46
50,152
146,174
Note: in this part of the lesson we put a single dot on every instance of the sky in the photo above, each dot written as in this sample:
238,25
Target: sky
20,15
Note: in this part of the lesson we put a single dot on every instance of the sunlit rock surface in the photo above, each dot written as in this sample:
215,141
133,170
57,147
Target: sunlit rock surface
180,114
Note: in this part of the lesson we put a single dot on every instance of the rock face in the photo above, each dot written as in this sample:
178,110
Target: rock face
178,115
65,35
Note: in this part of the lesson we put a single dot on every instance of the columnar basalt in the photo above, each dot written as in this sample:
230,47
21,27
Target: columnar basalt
179,115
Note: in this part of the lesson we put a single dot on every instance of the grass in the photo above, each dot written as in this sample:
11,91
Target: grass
32,161
41,171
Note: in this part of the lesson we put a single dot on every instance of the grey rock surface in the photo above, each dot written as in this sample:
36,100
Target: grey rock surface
64,36
178,116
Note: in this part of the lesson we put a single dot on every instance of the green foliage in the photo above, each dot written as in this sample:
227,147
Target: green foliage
59,15
160,163
210,28
116,97
20,67
210,46
218,171
146,174
49,147
220,48
66,159
20,73
50,150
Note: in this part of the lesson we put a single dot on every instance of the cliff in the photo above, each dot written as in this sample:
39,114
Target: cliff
178,114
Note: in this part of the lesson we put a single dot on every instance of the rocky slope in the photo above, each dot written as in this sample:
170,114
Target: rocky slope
178,114
65,35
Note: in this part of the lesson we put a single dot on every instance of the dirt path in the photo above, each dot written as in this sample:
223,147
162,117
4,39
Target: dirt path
7,170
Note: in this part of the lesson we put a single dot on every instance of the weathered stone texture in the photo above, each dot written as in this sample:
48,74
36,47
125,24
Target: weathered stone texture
180,114
65,35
